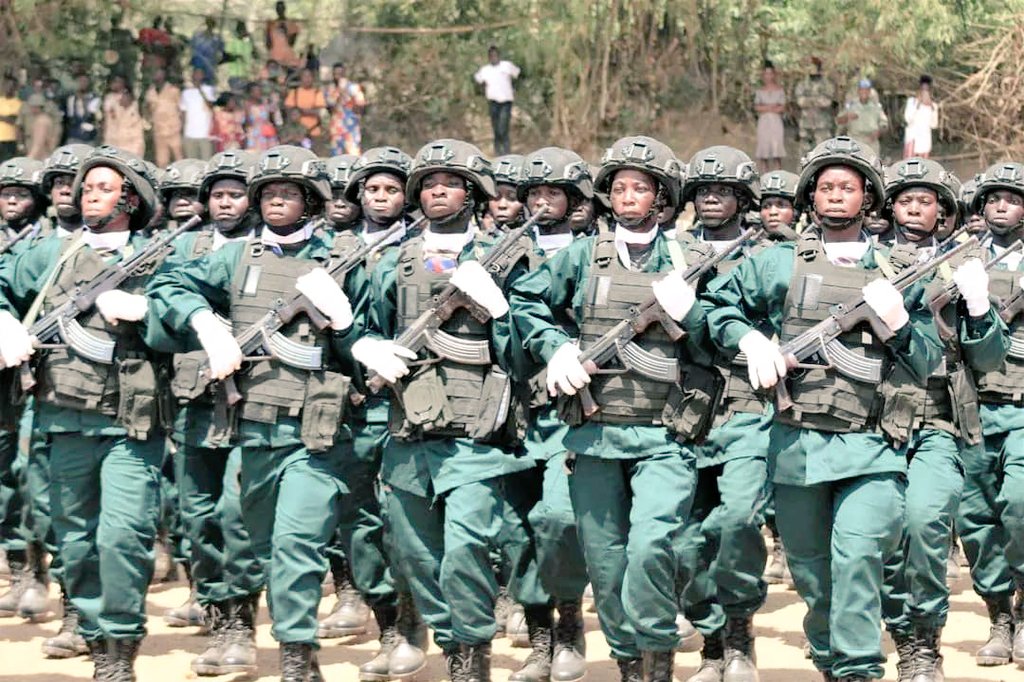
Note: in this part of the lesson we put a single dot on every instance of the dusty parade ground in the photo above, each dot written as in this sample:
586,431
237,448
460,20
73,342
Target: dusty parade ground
167,651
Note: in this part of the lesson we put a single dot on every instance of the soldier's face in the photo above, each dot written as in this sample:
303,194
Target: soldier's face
776,212
184,204
632,195
975,223
554,199
716,203
383,197
228,202
102,189
341,211
506,206
442,194
1003,210
62,197
839,193
16,203
282,204
582,216
916,210
876,224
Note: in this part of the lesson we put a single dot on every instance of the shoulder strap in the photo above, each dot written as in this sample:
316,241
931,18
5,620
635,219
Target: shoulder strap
37,303
604,253
675,252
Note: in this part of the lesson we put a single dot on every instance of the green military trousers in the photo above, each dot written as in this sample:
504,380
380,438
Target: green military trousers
38,512
837,535
224,565
561,568
12,530
291,501
105,500
630,513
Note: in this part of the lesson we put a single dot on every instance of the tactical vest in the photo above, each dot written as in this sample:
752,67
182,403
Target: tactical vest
443,398
1006,384
824,399
133,388
203,243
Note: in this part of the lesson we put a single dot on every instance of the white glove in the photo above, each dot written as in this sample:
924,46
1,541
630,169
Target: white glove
972,281
765,364
116,305
326,295
219,344
472,280
15,343
383,357
674,295
565,372
883,298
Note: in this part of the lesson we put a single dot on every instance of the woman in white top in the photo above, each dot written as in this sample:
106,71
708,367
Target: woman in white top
921,115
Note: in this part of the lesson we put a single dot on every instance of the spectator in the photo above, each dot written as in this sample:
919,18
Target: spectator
116,85
864,118
228,123
294,131
310,102
496,76
176,44
122,54
770,103
207,50
43,135
261,120
274,80
122,123
280,38
347,103
163,100
156,45
197,105
239,53
81,114
921,116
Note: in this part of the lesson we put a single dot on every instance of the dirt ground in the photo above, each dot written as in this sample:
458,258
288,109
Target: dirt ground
167,651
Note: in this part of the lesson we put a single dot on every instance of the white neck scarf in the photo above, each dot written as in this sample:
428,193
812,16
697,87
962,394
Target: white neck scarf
219,239
439,242
551,244
268,236
624,237
845,254
377,236
106,241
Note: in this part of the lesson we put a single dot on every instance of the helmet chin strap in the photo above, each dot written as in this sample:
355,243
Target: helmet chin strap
660,201
462,215
122,207
1001,230
830,223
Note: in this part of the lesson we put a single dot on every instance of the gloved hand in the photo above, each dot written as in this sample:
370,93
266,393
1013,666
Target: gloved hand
219,344
674,295
16,346
972,280
116,305
383,357
472,280
565,372
883,298
765,364
324,292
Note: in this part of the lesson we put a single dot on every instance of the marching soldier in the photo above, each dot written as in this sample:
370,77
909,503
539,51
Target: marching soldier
179,190
505,210
779,216
340,212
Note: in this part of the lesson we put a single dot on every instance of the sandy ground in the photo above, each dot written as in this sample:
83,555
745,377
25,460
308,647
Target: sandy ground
167,651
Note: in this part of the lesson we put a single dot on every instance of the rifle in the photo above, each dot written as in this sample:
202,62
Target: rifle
25,232
263,339
944,297
618,341
823,338
425,331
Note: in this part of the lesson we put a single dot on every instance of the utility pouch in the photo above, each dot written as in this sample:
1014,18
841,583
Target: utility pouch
137,405
10,407
426,404
690,408
326,395
963,394
190,381
166,406
495,398
900,400
569,409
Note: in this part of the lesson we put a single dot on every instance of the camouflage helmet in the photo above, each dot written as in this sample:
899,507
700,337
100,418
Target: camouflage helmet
137,173
841,151
22,171
451,156
916,172
722,165
234,165
288,163
63,161
647,155
507,169
377,160
558,167
338,170
967,191
1008,176
779,183
183,174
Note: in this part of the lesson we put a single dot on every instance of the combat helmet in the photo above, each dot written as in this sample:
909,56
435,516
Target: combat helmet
234,165
779,183
917,172
841,151
377,160
722,165
1008,176
136,172
452,156
507,169
183,174
647,155
288,163
23,171
338,169
558,167
63,160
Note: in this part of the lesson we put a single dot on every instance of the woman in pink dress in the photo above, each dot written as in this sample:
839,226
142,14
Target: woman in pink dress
261,120
228,124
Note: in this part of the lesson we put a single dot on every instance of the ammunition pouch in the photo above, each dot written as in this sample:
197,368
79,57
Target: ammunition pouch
10,405
963,395
137,408
326,395
900,399
424,406
190,378
690,409
495,401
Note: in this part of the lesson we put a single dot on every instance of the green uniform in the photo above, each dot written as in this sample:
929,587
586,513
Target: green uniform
839,485
291,490
633,481
869,124
814,98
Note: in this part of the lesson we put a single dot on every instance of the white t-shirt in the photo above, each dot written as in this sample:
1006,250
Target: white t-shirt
198,108
497,80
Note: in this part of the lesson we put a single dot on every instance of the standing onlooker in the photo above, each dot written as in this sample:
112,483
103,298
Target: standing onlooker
238,57
197,103
310,102
347,103
122,121
43,132
814,97
496,76
122,53
207,50
156,44
261,120
864,119
281,36
228,123
81,114
770,103
176,44
10,108
921,116
162,104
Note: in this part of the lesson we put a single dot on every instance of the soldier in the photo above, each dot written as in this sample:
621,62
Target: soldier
779,216
814,97
839,483
505,210
991,515
58,175
179,190
341,213
633,469
294,442
864,119
971,215
449,462
100,419
22,200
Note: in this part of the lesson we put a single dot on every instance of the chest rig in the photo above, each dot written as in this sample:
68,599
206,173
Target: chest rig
1006,384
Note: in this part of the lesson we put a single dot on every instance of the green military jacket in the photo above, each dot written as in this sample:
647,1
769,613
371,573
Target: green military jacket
1001,418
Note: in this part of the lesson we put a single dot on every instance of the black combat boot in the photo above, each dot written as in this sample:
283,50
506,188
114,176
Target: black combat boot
122,654
350,615
569,661
409,655
477,662
689,638
239,653
712,659
906,650
34,603
999,647
927,657
189,614
631,670
456,665
296,662
18,562
387,620
502,609
218,615
67,643
777,570
740,660
1018,627
658,665
537,667
102,668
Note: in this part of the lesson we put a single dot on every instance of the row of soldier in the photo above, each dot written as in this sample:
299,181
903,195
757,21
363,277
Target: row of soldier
536,381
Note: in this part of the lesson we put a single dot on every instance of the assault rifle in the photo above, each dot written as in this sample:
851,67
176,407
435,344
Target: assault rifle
619,340
425,331
944,297
823,338
263,339
25,232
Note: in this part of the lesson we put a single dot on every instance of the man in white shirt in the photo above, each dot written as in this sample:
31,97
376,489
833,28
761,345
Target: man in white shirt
197,105
496,76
